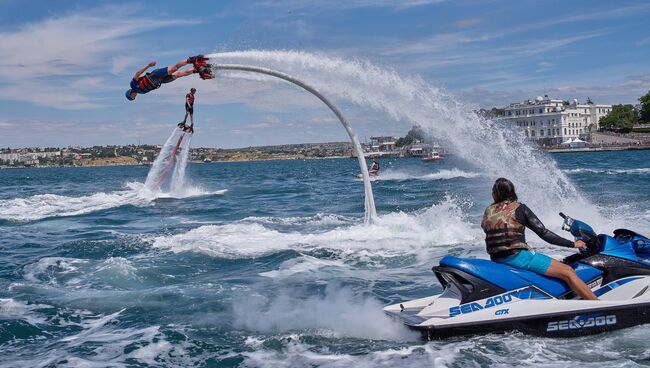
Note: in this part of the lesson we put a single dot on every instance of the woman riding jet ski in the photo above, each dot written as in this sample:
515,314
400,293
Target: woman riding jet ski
517,291
372,171
504,223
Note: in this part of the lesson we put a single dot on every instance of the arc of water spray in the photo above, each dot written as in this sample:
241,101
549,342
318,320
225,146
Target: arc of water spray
371,212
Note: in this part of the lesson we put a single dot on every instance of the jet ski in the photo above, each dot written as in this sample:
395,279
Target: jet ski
371,174
480,296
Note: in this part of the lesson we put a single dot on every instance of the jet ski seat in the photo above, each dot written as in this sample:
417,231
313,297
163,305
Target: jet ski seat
510,278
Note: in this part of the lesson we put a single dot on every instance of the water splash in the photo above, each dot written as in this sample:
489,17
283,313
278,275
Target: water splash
178,179
42,206
338,311
439,175
166,179
492,148
173,157
394,234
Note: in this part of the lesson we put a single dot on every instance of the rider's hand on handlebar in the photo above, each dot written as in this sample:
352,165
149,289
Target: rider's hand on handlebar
580,244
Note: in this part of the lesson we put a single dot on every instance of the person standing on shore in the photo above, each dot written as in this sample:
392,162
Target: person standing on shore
189,110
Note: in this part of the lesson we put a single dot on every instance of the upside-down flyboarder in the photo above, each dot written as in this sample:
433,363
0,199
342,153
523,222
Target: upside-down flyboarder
154,79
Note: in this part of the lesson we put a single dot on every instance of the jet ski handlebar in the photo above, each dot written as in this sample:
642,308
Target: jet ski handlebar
581,231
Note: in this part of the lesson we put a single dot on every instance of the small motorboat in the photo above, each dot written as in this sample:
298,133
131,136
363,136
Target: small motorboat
432,156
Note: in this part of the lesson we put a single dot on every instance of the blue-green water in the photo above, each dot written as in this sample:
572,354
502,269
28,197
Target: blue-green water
269,264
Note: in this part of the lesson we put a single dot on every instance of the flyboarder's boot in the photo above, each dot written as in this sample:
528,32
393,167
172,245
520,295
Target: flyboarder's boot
205,72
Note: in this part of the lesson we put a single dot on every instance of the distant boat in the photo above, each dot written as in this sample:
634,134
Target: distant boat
432,156
206,160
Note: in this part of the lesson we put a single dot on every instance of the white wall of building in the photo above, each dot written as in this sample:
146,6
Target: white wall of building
27,156
552,122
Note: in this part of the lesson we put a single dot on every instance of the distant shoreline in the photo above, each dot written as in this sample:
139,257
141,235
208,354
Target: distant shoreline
146,154
300,157
192,161
598,149
273,159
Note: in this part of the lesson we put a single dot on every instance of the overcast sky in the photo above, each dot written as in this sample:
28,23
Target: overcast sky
64,65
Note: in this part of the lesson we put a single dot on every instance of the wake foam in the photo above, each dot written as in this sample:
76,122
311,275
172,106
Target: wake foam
440,175
300,350
319,220
43,206
188,191
98,342
302,265
51,205
636,171
50,269
113,273
295,350
338,311
11,309
392,234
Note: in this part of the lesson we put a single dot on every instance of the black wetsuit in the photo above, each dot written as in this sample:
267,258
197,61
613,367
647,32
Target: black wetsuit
189,103
526,217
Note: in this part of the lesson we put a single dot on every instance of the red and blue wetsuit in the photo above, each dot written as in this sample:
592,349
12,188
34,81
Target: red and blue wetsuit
151,81
143,85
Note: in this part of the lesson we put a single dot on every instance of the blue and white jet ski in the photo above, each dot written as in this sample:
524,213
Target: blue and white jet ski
481,296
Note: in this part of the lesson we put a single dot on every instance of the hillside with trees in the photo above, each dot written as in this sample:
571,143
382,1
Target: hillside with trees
621,118
644,110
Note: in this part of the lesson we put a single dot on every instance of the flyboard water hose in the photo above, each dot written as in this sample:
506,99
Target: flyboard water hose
371,212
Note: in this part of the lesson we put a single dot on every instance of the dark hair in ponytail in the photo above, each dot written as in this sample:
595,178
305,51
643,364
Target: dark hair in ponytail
503,190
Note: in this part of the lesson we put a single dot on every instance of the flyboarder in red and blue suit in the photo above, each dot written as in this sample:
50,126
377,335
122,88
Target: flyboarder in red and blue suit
154,79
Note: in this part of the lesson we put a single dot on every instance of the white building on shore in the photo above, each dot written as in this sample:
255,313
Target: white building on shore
552,122
385,143
26,157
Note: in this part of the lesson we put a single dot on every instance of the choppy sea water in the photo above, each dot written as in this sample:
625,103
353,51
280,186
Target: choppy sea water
269,264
